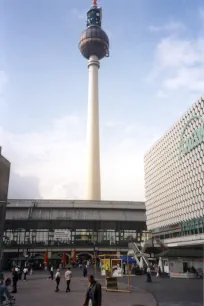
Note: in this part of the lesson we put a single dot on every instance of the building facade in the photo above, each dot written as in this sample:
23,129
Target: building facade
174,182
4,184
34,227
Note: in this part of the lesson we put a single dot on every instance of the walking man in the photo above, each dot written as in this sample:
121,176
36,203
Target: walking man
93,295
57,279
15,280
68,276
85,271
25,271
51,272
149,278
4,293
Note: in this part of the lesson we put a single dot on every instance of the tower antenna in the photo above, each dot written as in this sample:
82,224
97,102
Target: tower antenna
94,2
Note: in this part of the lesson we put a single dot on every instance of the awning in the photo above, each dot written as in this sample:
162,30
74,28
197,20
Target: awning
179,252
56,256
38,258
128,259
21,258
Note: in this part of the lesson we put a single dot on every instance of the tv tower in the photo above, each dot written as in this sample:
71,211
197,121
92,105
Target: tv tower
94,45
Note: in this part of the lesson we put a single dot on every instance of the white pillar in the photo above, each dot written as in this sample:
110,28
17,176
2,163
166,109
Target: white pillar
93,182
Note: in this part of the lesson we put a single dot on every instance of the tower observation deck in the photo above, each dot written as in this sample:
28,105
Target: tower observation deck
93,40
94,45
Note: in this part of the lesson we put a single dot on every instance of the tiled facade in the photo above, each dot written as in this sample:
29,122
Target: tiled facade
174,173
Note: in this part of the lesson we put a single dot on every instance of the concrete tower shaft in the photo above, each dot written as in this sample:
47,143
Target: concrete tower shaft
94,45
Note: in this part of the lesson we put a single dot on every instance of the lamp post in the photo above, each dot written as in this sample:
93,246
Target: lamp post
94,249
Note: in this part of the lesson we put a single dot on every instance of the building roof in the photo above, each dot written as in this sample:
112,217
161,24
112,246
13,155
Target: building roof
179,252
39,203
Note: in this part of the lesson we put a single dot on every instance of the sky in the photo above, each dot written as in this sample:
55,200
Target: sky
153,75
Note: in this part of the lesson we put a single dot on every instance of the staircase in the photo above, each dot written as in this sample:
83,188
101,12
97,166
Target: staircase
138,255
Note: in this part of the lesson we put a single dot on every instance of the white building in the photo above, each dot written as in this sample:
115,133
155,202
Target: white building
174,182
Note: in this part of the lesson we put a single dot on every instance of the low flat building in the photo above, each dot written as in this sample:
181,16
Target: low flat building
57,226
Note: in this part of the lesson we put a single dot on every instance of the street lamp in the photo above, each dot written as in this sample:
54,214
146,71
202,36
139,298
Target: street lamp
94,249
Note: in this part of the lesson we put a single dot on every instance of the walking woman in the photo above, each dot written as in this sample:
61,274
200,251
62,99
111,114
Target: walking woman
57,279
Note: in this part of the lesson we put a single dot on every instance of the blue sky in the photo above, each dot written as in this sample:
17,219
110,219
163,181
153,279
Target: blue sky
154,73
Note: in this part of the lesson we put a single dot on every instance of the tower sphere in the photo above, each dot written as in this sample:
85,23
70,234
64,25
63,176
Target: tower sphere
93,40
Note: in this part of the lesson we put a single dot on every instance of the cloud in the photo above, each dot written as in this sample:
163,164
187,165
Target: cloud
77,14
201,12
3,80
54,157
171,26
3,83
51,163
23,187
178,64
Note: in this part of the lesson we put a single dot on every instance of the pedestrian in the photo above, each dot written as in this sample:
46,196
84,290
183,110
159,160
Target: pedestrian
149,278
124,267
20,272
68,276
25,271
85,270
93,295
57,279
15,280
4,292
158,271
52,272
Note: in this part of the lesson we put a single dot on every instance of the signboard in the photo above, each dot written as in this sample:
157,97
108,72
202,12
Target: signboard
116,268
105,266
62,235
188,143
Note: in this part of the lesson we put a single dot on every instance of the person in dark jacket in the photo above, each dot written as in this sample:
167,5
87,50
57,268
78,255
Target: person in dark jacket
85,270
4,293
15,280
93,295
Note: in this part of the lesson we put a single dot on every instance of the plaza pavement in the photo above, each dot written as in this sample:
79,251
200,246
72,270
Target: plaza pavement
172,292
38,290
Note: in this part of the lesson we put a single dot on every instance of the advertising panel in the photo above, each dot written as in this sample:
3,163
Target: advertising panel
105,266
116,268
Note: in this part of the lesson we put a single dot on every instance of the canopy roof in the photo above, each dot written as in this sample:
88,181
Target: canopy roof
181,252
